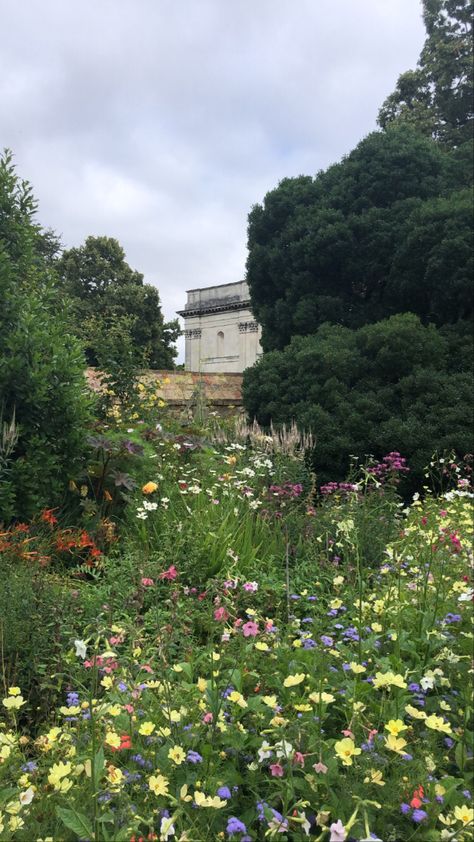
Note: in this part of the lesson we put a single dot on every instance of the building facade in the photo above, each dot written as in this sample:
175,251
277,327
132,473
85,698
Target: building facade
221,334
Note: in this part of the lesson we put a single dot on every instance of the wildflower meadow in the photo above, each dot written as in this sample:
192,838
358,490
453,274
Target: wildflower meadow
223,649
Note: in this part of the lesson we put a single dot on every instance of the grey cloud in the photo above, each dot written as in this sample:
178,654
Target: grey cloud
162,122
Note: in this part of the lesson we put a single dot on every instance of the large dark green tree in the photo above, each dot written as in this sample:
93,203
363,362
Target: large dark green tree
437,98
44,408
386,386
106,292
384,231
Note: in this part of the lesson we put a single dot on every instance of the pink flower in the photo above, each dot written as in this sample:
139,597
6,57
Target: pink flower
298,759
251,587
129,708
146,667
238,623
320,768
338,832
221,614
277,770
207,718
250,629
348,733
169,574
147,583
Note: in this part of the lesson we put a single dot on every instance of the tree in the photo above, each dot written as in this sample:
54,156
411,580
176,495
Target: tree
437,98
391,385
44,408
325,248
104,289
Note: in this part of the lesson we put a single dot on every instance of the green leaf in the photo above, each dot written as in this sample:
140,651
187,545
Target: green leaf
77,822
99,765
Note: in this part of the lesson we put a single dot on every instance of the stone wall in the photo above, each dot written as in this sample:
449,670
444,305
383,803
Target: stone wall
222,392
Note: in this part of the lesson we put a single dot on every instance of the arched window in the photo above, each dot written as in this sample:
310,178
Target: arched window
220,344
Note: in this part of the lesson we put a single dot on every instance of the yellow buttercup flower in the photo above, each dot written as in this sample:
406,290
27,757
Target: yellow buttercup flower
396,744
395,727
57,772
389,679
356,668
326,698
14,691
146,728
112,739
262,646
464,814
158,784
13,702
177,755
345,749
237,698
302,708
415,713
271,701
437,723
206,801
201,685
374,777
293,680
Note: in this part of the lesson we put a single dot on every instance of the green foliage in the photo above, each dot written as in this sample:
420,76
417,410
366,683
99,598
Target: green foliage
110,299
386,230
437,98
387,386
42,387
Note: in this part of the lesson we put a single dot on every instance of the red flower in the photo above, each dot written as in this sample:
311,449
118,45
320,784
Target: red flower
169,574
48,517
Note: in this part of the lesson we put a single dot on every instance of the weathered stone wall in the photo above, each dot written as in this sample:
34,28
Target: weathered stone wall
222,392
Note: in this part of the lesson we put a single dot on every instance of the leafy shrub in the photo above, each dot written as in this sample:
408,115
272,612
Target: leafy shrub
42,386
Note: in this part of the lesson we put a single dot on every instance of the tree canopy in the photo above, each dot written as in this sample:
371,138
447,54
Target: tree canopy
44,410
437,98
386,230
106,291
392,385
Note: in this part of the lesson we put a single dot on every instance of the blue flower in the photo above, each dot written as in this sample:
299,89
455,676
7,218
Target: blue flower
419,815
234,825
224,792
193,757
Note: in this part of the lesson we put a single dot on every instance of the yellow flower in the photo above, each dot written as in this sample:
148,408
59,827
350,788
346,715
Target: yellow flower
414,712
357,668
302,708
464,814
114,710
388,679
146,728
326,698
437,723
158,784
57,772
53,734
14,691
376,627
177,755
374,777
395,727
262,646
345,749
237,698
107,682
271,701
206,801
114,775
72,711
149,487
112,739
293,680
175,716
396,744
13,702
335,603
338,580
202,685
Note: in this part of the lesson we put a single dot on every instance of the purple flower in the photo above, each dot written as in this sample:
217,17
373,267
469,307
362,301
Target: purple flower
72,699
328,641
193,757
405,808
224,792
309,643
419,815
31,766
234,825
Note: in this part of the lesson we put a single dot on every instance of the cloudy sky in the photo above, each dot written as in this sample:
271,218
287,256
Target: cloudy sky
161,122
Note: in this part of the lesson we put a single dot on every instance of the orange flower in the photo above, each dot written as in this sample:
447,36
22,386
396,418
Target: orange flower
149,487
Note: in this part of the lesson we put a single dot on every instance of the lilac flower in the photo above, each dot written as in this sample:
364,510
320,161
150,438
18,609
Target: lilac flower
193,757
234,825
224,792
419,815
309,643
72,699
31,766
405,808
122,686
328,641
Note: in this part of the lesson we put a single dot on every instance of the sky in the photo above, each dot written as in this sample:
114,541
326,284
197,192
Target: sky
162,122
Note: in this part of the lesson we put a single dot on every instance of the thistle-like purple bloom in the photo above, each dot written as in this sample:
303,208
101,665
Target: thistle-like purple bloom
234,825
419,816
193,757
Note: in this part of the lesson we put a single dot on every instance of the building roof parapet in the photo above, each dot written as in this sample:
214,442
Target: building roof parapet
215,306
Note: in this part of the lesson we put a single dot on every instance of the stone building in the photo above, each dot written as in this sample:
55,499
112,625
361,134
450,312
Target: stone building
221,334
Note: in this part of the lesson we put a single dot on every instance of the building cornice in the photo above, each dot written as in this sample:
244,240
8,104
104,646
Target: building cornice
215,308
